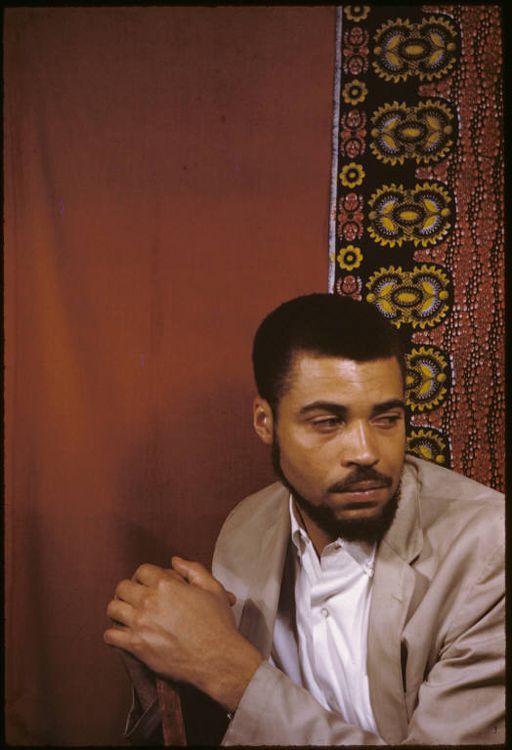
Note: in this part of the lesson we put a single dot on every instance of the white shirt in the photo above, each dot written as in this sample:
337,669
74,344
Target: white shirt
325,650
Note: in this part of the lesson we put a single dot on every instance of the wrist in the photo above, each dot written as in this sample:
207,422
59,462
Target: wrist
234,670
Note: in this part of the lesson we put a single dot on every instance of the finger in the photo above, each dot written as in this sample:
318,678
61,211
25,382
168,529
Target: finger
174,574
130,591
193,572
198,575
120,638
120,611
148,574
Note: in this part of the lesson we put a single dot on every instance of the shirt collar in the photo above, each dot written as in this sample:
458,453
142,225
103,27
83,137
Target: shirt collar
362,552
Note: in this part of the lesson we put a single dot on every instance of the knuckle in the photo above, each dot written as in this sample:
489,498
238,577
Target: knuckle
146,603
121,587
144,568
163,583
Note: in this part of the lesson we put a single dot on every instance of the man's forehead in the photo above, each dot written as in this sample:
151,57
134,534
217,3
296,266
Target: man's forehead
311,372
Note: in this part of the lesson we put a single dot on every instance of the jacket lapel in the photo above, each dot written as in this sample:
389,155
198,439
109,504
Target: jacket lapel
396,586
260,608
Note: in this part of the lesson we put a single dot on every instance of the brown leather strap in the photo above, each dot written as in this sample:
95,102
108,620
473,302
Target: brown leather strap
173,726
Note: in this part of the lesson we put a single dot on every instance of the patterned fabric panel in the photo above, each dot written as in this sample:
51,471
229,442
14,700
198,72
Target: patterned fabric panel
417,213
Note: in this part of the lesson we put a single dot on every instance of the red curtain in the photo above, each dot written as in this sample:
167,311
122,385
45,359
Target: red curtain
167,174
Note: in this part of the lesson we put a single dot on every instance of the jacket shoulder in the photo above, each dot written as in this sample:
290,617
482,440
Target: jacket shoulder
246,524
436,481
253,534
454,505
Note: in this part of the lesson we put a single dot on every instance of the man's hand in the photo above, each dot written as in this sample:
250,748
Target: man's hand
179,623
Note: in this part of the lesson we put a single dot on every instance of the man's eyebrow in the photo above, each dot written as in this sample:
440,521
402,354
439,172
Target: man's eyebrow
393,403
341,411
333,408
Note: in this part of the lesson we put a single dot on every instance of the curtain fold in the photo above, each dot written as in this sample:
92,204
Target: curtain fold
165,170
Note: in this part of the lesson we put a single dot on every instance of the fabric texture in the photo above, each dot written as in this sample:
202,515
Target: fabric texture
417,214
165,167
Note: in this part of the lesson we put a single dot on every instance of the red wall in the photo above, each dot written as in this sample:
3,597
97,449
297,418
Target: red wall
167,176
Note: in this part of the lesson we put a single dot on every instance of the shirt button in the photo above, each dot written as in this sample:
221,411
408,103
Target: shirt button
325,612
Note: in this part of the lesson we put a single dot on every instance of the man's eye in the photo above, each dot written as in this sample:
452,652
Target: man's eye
326,423
388,420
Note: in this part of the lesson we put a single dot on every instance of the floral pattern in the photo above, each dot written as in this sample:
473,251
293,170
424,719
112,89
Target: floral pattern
353,133
352,175
356,12
419,298
355,51
354,92
424,133
422,215
350,217
350,286
428,50
350,257
429,444
427,375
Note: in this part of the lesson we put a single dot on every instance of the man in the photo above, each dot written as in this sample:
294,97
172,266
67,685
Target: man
360,599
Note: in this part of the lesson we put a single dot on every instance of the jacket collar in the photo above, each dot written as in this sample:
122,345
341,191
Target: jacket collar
397,586
405,536
260,608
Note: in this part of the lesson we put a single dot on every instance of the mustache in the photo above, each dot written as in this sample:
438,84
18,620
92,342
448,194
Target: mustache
361,474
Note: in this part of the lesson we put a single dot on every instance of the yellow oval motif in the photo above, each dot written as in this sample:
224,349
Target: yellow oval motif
428,287
425,388
409,215
407,298
432,140
390,142
436,38
425,451
415,50
429,222
388,224
435,58
394,60
411,132
425,371
433,122
387,288
386,306
429,205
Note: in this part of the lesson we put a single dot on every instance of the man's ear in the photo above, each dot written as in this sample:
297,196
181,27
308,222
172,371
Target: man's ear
263,420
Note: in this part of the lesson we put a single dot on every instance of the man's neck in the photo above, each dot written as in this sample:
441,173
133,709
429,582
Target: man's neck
318,536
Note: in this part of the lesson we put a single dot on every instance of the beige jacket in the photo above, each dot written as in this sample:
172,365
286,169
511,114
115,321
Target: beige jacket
436,632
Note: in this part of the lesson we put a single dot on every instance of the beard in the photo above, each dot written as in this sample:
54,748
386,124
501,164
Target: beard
352,529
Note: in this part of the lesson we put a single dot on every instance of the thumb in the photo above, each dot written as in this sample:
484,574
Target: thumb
199,576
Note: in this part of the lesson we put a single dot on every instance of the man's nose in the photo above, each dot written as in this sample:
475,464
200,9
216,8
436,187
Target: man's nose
359,446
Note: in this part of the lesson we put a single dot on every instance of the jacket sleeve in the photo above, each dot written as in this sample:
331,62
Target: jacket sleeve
276,711
462,699
459,702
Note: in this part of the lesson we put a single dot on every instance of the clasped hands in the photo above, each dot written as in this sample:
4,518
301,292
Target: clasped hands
180,624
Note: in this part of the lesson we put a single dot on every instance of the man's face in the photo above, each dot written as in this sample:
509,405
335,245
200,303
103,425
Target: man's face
338,442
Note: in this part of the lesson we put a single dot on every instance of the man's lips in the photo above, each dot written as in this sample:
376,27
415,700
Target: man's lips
365,486
361,494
